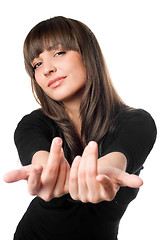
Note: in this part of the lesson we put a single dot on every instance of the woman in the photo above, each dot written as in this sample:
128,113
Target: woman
85,178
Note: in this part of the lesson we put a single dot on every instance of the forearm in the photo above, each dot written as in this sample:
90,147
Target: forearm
114,159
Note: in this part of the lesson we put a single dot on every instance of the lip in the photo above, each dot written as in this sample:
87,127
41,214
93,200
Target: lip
56,82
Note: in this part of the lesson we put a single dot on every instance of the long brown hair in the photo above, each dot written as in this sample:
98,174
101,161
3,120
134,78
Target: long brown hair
100,103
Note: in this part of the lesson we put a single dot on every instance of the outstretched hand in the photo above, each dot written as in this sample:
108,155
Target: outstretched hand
46,181
84,181
88,184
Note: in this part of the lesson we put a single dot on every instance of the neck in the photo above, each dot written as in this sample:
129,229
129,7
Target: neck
74,116
72,109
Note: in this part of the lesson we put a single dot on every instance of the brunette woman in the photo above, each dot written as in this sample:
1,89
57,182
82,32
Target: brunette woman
84,148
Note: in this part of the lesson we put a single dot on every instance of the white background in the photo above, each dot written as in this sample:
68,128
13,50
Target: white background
129,34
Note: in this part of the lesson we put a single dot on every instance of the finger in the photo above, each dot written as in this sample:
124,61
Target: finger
52,168
73,179
130,180
55,153
123,178
91,168
66,185
108,191
50,175
17,175
91,155
34,180
82,184
59,186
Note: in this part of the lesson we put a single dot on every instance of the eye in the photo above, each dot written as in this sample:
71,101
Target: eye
37,65
59,53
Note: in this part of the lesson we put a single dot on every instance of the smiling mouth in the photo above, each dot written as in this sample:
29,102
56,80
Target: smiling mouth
56,82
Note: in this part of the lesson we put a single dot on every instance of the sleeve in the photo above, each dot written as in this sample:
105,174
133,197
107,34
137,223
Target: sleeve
33,134
134,137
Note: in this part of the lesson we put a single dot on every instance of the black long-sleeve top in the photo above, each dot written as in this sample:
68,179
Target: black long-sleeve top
63,218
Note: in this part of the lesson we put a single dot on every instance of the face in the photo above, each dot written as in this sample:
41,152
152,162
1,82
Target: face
61,74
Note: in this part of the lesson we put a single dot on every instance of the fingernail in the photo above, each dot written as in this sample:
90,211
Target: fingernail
77,158
92,144
58,141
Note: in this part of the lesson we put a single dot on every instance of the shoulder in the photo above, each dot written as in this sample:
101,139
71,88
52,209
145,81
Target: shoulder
36,115
136,126
37,118
136,118
131,127
36,123
135,113
134,134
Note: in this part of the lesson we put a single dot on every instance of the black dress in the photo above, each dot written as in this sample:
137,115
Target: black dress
64,218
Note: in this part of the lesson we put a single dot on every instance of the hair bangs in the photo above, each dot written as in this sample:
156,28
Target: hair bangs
47,35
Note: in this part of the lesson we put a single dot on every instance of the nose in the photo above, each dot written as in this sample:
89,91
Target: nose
48,69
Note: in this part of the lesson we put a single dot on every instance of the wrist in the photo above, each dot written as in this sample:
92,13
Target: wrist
113,159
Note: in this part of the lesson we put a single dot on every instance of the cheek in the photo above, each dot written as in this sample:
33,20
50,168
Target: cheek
81,72
78,69
39,79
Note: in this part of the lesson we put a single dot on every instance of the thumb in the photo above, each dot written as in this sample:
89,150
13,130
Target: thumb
130,180
17,175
